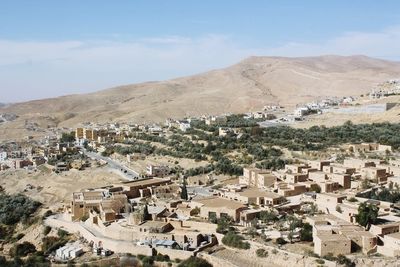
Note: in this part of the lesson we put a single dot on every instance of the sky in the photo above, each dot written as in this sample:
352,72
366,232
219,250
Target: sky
50,48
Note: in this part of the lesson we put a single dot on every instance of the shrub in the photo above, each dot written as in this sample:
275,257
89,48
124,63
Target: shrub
22,250
343,260
320,261
147,261
223,225
194,262
62,233
232,239
352,199
262,253
51,243
330,257
280,241
141,256
16,208
46,230
47,214
19,236
6,232
161,257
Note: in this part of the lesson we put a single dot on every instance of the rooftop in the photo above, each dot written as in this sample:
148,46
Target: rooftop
145,182
254,192
394,235
220,202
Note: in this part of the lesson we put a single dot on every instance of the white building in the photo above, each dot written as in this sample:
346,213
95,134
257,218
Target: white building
69,252
184,125
3,156
300,112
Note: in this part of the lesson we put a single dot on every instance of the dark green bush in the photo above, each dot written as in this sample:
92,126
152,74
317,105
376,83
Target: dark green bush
194,262
22,250
16,208
232,239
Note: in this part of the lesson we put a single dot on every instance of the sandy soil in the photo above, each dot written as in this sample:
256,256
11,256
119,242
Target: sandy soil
334,119
55,189
140,165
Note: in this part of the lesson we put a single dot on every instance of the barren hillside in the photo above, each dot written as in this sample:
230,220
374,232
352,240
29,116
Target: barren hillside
248,85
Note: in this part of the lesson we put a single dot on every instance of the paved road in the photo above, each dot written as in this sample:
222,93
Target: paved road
119,168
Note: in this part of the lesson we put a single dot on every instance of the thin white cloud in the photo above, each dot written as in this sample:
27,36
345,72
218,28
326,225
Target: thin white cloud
36,69
383,44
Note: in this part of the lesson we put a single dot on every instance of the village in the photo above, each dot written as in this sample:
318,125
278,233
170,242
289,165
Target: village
334,207
199,187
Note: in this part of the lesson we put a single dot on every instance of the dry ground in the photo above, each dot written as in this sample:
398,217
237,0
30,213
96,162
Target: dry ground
56,188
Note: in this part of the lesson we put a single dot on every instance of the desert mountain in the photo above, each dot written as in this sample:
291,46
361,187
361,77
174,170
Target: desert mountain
248,85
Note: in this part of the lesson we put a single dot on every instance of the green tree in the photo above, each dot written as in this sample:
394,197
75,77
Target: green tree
67,137
268,216
16,208
146,214
184,193
23,249
306,232
367,214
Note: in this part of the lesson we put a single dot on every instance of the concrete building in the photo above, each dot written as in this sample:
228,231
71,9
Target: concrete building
252,196
79,133
254,177
319,164
296,177
295,168
341,169
110,201
344,180
288,190
3,156
69,252
385,228
328,227
157,171
374,173
184,125
391,245
336,244
215,207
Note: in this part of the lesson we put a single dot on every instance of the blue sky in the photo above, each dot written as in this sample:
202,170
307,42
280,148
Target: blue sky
51,48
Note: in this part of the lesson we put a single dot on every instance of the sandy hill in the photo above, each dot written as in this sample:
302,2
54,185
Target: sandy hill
248,85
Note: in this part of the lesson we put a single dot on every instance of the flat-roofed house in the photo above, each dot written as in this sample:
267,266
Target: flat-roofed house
374,173
343,169
391,245
295,168
296,177
385,228
358,163
254,196
141,188
255,177
216,207
318,176
288,189
318,164
343,179
331,243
